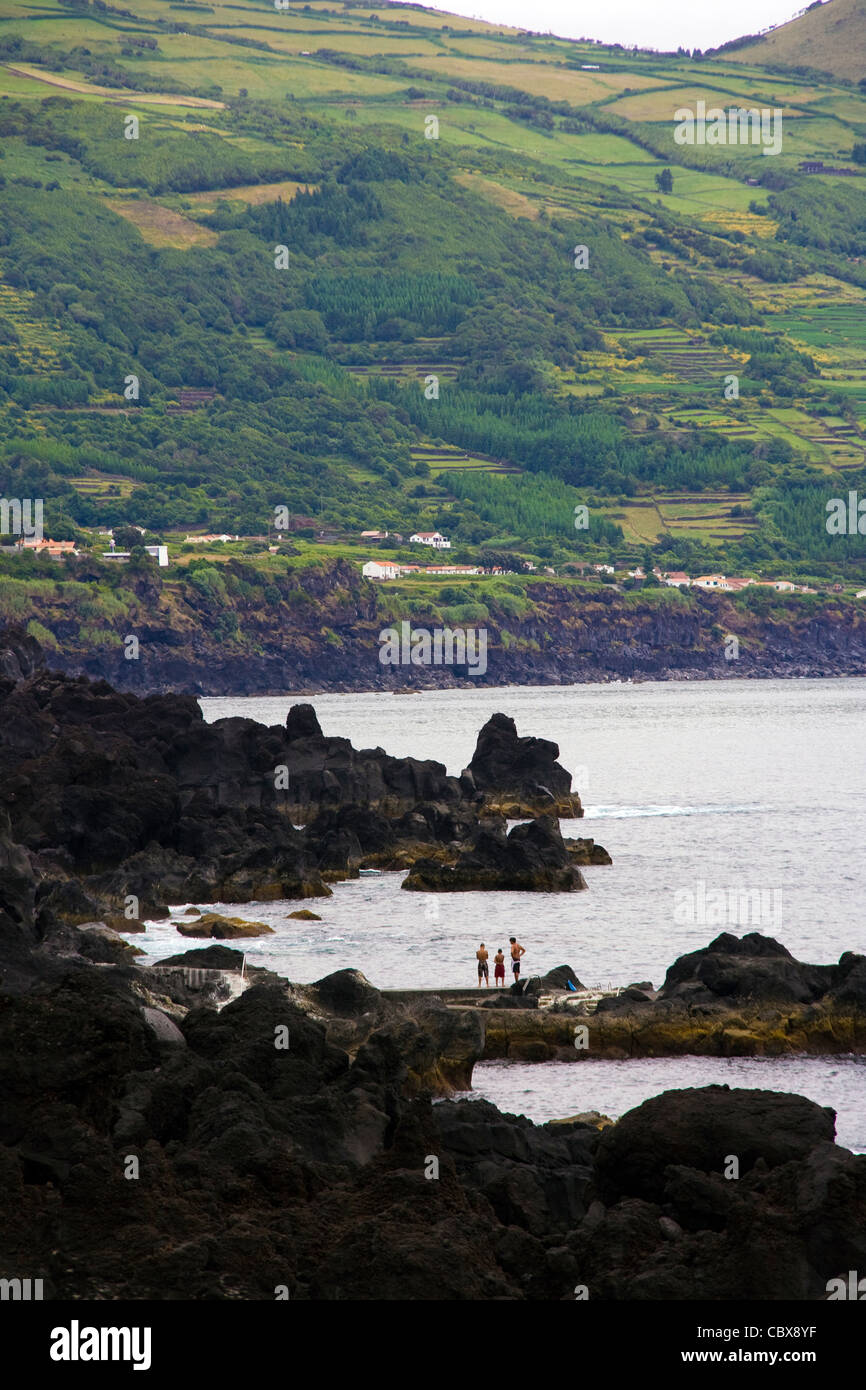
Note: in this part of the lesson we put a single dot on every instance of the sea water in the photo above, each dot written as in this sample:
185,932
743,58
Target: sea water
726,806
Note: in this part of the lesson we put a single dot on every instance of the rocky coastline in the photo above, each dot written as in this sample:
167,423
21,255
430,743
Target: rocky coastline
323,636
185,1129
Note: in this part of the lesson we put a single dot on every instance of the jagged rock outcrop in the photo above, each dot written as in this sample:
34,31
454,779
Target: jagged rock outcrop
520,777
753,967
124,800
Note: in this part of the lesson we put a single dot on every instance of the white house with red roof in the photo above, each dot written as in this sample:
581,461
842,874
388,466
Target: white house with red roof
434,538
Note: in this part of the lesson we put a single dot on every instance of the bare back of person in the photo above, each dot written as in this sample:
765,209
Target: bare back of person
481,955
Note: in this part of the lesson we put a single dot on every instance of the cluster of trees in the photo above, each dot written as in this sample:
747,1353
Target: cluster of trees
357,308
576,443
333,212
529,507
771,359
822,216
160,161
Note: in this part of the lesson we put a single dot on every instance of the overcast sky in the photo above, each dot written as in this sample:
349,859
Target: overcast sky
661,24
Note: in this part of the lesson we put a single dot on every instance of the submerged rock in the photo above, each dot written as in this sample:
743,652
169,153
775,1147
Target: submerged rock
212,924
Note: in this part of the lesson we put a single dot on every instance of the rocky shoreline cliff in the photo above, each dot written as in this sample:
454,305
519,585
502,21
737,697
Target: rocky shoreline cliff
319,631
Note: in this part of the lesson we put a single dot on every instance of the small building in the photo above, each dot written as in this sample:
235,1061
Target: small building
209,540
374,535
452,569
380,569
191,398
54,549
674,578
861,593
434,538
817,166
711,581
604,569
159,553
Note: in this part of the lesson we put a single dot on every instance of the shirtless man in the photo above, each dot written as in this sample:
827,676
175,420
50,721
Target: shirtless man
516,952
483,969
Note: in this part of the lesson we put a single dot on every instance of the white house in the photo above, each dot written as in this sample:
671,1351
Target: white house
380,569
159,553
711,581
674,578
861,593
209,540
434,538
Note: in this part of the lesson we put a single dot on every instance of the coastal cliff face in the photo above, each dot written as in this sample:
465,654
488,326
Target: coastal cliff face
319,630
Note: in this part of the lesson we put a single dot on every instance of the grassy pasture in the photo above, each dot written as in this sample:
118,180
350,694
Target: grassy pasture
541,79
159,225
253,194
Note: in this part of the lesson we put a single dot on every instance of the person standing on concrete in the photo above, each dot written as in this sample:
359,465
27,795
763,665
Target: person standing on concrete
516,952
499,969
481,956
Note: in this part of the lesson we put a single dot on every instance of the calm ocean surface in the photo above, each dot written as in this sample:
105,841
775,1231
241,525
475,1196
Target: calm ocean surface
734,805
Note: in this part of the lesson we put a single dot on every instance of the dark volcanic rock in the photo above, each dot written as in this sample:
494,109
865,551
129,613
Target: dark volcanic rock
302,722
560,978
531,858
699,1129
534,1178
17,909
520,776
752,967
348,992
207,958
289,1139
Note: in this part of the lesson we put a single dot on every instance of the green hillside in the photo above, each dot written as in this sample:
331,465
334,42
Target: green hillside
830,36
430,347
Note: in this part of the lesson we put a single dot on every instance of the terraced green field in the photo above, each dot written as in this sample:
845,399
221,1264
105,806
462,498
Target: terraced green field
534,154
